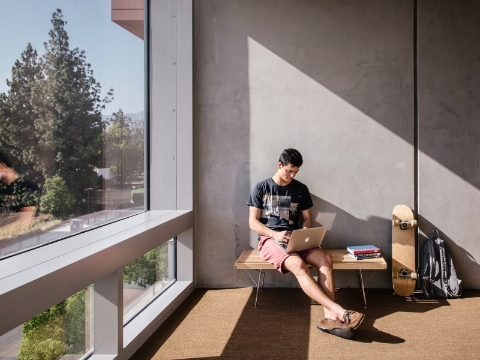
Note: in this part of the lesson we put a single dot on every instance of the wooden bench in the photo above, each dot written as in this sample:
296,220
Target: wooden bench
250,259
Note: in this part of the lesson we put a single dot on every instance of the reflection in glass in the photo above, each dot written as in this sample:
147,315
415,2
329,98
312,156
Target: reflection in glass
147,277
71,152
62,332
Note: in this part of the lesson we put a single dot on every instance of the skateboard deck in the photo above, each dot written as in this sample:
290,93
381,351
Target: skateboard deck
404,276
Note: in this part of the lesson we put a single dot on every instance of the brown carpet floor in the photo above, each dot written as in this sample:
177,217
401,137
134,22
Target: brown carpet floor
223,323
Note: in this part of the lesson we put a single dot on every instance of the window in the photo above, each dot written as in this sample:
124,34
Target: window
65,331
71,121
148,276
32,281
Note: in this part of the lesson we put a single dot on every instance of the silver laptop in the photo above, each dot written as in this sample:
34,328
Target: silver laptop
304,239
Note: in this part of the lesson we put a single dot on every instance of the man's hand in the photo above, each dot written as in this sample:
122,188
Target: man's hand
282,236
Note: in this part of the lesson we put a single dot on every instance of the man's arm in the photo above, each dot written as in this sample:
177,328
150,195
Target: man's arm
259,228
307,219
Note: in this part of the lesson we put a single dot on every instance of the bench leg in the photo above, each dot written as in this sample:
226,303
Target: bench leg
360,277
263,280
258,285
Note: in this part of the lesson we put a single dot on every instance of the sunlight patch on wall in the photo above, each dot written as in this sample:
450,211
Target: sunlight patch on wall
326,219
347,155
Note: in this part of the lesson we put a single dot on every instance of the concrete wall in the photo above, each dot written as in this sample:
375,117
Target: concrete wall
334,79
449,128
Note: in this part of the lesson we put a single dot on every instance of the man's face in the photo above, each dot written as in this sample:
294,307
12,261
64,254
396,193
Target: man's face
287,172
5,172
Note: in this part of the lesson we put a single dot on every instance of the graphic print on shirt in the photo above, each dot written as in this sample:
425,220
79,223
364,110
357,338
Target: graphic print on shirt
279,206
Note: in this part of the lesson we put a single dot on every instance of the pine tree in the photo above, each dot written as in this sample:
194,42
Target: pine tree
124,143
17,116
68,106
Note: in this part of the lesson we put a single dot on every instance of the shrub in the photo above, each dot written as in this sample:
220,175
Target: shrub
44,335
57,200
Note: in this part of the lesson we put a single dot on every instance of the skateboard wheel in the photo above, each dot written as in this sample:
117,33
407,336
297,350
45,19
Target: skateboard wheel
394,275
414,276
413,223
395,222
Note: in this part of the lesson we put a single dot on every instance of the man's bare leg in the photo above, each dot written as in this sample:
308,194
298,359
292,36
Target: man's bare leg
297,266
324,263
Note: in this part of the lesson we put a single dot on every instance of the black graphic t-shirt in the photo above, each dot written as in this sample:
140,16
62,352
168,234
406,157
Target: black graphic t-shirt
281,205
19,193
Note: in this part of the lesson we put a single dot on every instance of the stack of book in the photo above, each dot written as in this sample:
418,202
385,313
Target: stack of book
360,252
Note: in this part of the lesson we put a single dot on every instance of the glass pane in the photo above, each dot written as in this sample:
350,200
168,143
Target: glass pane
71,119
65,331
147,277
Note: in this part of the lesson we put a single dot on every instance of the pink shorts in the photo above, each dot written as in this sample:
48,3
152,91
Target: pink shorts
270,252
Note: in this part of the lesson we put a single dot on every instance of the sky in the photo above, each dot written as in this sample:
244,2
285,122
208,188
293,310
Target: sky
116,55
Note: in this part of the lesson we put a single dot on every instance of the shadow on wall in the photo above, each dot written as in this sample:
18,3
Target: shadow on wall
240,209
462,259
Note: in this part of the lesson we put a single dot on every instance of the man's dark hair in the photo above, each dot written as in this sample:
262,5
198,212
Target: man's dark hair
291,156
5,159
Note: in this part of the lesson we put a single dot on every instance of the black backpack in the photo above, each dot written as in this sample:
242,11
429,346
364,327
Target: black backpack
437,275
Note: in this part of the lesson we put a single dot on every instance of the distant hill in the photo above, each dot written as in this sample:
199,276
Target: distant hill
134,116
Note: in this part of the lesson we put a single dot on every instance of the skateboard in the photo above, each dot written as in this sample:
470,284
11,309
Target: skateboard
404,276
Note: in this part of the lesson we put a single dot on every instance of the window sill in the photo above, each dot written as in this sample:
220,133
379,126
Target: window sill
51,273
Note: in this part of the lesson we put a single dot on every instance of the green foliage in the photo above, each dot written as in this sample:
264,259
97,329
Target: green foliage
149,268
57,200
56,331
45,341
45,317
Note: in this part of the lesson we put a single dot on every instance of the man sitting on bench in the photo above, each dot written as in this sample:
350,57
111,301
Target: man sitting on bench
275,206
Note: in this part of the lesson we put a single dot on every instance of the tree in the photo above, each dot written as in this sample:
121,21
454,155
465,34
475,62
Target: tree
68,106
124,147
149,268
57,200
17,115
